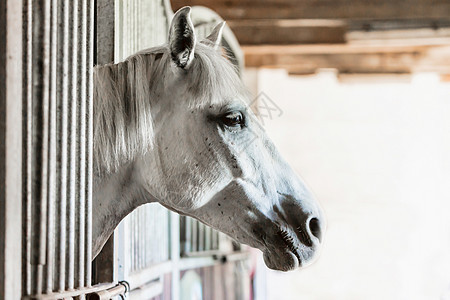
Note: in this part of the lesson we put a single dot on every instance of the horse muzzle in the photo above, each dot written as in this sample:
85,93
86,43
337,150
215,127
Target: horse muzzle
296,235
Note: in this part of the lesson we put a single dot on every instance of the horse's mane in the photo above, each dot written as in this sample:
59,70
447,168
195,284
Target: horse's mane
123,125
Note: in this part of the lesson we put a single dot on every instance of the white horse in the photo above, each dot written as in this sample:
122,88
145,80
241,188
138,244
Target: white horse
168,126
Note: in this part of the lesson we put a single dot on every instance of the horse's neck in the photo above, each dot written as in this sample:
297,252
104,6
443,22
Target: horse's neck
114,197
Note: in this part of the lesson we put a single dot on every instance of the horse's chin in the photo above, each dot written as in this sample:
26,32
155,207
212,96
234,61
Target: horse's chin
285,260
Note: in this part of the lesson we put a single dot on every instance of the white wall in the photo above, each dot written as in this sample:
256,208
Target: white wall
377,156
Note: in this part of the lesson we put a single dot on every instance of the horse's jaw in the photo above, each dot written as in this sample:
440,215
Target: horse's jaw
115,195
263,221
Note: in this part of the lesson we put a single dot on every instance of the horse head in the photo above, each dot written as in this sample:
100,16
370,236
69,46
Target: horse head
172,125
214,162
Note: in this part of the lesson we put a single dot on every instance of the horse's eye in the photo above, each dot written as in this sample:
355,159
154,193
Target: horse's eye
233,119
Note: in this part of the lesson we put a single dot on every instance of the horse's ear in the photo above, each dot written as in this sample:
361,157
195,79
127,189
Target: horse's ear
182,38
215,37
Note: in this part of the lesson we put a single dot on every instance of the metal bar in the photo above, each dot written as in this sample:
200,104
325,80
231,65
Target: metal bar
27,158
188,230
63,36
201,236
141,238
147,242
138,215
215,240
148,274
175,253
211,258
119,289
207,238
132,242
72,293
183,240
73,41
41,41
89,141
52,150
81,145
194,241
148,291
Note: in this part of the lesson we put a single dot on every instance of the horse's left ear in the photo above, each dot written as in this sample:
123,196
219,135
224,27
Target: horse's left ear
215,37
182,38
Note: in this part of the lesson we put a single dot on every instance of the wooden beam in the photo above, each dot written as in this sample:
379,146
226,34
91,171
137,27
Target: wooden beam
445,77
352,58
324,9
269,32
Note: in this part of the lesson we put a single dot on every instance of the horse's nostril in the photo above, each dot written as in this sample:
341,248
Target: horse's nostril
314,226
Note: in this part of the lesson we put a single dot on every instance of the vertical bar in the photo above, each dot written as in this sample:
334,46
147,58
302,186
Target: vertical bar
63,37
188,230
175,253
123,250
72,146
153,10
52,150
41,43
141,238
201,236
138,239
118,34
10,148
135,238
182,235
207,238
28,130
147,243
194,244
214,240
81,147
89,141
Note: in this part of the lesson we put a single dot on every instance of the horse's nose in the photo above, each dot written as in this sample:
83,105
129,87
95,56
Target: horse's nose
315,227
304,216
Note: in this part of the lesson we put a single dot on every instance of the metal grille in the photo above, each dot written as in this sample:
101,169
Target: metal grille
147,239
140,25
57,159
144,234
196,237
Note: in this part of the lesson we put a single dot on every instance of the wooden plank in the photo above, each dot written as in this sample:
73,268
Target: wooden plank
426,35
295,31
445,77
350,58
322,9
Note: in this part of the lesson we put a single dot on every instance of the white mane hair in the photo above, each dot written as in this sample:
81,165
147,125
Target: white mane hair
123,93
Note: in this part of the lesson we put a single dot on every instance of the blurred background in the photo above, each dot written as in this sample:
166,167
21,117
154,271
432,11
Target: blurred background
376,155
356,95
